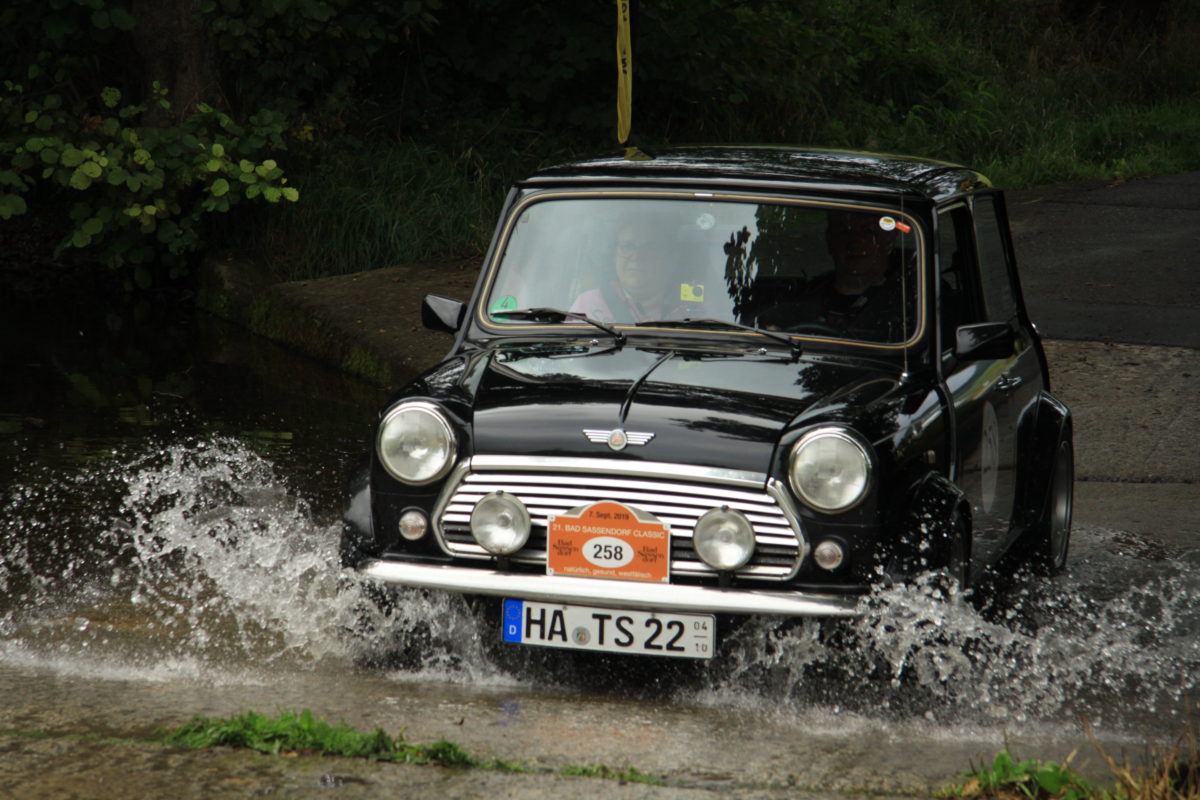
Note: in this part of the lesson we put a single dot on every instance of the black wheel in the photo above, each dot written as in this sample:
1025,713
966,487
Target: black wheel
1050,538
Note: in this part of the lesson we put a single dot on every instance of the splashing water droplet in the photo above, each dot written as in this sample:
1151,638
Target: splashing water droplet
197,559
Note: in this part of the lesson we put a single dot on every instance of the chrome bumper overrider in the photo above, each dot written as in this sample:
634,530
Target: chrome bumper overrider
612,593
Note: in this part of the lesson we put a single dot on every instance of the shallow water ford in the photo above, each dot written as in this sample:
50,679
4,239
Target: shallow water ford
169,498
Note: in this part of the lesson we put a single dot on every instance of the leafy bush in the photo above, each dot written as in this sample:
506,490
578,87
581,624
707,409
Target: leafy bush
404,121
137,195
313,57
1034,780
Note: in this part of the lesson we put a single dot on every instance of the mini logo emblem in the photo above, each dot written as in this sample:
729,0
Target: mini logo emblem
617,438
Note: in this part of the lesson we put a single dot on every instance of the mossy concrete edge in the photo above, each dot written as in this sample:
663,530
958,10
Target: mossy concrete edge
232,291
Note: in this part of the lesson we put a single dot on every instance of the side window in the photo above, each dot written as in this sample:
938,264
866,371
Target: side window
955,264
999,299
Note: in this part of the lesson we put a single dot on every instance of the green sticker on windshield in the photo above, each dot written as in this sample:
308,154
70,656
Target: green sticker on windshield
505,303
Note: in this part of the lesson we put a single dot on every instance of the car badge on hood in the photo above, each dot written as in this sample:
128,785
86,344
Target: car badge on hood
617,439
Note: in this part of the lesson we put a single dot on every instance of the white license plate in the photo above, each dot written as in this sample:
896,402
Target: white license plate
609,630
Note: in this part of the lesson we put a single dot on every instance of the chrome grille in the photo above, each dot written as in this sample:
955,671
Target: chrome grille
679,503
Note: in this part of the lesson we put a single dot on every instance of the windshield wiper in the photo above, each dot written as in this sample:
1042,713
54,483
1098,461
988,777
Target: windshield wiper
709,322
557,315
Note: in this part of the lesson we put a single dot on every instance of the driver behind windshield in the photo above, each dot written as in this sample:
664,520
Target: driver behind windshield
640,287
863,295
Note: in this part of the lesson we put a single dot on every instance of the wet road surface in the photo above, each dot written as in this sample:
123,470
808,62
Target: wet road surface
223,600
167,534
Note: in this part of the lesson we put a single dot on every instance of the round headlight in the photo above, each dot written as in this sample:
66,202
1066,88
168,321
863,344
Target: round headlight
416,444
500,523
724,539
829,469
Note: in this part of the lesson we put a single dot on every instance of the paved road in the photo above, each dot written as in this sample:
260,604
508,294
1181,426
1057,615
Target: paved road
1112,263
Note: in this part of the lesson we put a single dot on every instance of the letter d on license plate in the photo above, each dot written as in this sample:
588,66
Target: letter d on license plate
608,629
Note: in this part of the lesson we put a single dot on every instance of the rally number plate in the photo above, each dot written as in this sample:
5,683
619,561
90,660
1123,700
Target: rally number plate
608,629
609,540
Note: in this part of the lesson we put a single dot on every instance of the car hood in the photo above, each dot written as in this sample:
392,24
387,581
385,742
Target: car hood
718,410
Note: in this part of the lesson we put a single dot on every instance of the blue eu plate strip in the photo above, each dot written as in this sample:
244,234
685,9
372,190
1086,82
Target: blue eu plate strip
514,613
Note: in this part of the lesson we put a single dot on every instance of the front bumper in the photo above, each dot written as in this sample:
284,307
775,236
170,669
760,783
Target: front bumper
612,593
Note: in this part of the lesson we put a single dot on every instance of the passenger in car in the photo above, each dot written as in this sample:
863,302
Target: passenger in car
640,288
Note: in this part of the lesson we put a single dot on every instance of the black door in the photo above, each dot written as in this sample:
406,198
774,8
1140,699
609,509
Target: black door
985,391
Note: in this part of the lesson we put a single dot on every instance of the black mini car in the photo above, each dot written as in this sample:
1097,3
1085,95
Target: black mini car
721,381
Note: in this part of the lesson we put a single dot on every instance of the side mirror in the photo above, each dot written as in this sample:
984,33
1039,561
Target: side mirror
443,314
984,340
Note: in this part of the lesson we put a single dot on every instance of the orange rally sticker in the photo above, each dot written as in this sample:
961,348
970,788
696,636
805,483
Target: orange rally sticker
609,540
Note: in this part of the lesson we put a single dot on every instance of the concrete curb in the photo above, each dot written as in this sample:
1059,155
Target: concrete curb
367,324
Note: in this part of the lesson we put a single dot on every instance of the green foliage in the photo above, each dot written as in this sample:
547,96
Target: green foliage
301,732
1036,780
850,73
312,56
136,195
387,203
71,48
403,122
626,775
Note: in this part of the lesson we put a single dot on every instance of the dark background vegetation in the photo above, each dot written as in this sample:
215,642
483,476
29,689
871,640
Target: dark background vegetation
327,136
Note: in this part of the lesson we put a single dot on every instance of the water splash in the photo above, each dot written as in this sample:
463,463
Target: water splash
187,560
196,560
1110,638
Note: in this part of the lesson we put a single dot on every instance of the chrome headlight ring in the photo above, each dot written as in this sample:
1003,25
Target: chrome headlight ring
416,443
830,469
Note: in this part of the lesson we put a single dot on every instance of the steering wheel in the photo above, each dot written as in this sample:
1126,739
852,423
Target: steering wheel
812,327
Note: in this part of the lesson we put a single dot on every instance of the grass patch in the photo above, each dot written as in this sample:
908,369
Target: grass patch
19,734
1118,143
379,205
1174,776
1036,780
301,732
626,775
385,202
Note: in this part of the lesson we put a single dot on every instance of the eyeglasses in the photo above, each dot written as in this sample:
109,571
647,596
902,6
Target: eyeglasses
630,247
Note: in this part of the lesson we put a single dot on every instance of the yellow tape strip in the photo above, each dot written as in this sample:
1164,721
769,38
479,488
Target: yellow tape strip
624,72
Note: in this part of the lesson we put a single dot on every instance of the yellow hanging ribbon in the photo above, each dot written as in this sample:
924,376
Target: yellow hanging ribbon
624,72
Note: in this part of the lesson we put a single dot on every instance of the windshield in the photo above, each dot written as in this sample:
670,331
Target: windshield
803,268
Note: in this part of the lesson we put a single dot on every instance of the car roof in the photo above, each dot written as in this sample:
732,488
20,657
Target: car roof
789,169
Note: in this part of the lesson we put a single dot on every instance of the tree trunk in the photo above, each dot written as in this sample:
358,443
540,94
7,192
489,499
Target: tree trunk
177,53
